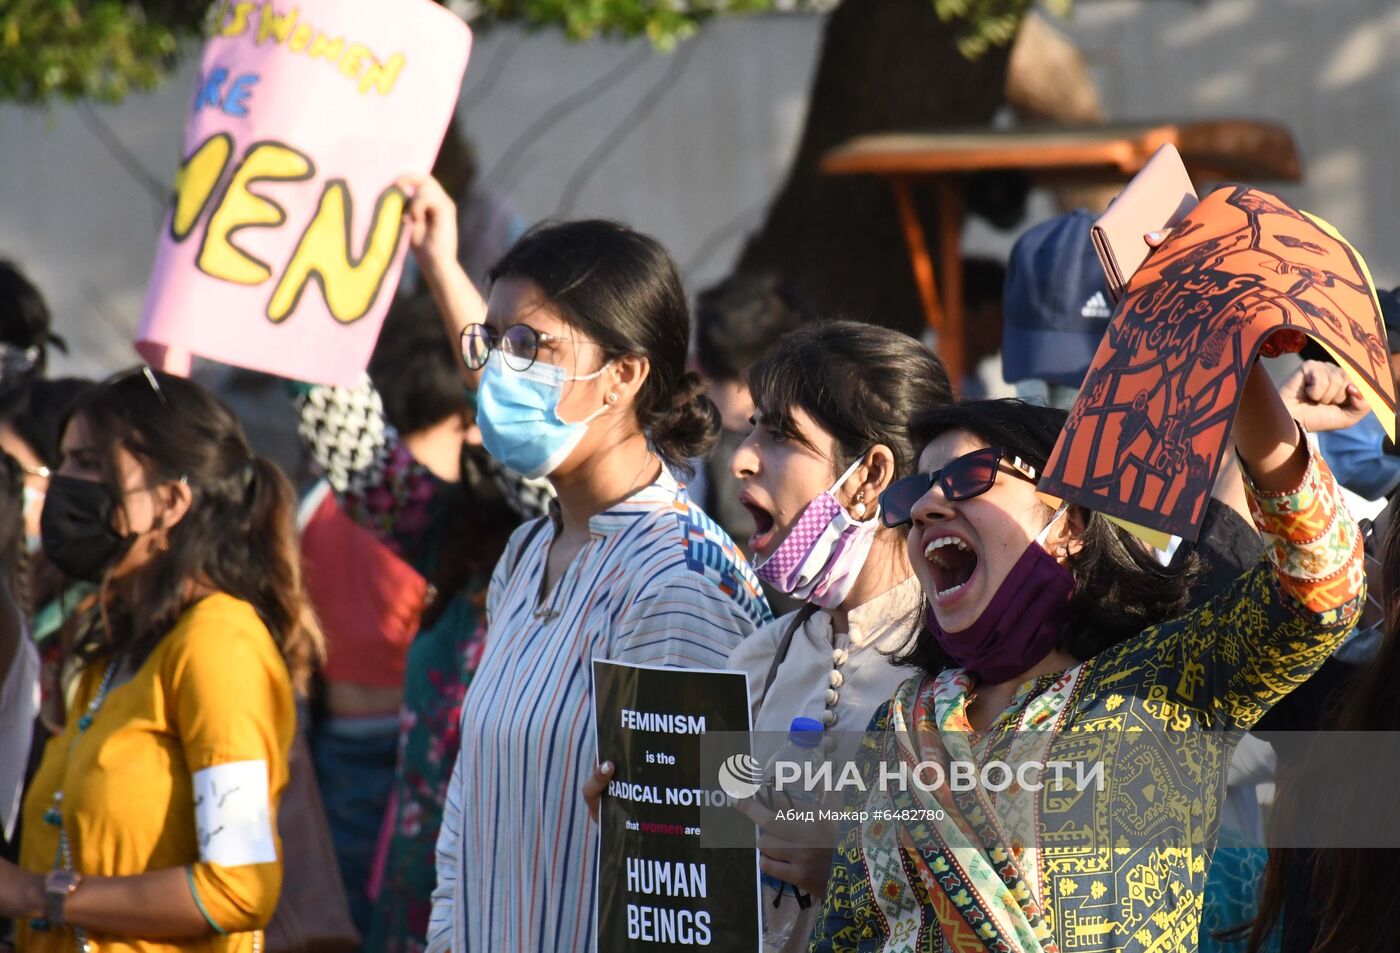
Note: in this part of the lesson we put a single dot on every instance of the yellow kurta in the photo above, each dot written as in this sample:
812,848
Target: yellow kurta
214,691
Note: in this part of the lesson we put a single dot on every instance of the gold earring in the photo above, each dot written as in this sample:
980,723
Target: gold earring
860,504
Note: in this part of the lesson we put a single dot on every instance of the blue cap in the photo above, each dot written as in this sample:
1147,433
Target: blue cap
806,732
1056,301
1390,314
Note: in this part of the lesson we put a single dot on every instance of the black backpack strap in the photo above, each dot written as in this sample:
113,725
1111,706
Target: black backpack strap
802,615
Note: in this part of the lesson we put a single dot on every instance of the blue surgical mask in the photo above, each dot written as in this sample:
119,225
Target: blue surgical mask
518,413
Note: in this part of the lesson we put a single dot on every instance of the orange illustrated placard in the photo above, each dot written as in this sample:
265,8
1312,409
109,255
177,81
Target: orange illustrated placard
1152,421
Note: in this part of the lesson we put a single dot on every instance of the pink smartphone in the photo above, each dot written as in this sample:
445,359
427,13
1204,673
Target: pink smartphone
1157,198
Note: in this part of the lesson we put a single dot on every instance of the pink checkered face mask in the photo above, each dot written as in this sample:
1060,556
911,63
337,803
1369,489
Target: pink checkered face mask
821,557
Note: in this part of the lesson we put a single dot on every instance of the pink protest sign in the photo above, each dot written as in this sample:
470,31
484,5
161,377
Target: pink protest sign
283,243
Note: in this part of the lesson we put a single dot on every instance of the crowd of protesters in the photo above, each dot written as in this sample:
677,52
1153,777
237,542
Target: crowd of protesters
555,468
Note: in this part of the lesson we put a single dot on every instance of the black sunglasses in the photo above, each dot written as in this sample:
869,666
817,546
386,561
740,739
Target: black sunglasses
969,475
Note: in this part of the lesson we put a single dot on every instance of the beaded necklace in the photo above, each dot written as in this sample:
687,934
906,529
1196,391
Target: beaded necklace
63,858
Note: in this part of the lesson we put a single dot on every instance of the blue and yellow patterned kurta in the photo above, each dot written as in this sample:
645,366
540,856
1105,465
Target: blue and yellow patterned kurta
1122,867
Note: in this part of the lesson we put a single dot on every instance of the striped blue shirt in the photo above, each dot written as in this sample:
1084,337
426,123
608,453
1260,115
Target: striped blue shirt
658,583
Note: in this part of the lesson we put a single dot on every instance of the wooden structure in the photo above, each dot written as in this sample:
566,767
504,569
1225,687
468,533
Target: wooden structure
1230,150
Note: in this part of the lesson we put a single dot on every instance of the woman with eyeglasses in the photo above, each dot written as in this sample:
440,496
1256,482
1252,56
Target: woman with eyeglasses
1055,638
827,437
582,359
150,824
401,451
402,454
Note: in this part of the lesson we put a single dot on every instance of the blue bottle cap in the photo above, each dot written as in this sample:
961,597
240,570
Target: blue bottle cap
806,732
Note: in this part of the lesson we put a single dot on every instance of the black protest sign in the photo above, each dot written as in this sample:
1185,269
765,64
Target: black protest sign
660,887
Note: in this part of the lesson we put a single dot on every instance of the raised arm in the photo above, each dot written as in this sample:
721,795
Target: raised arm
1311,539
1271,450
431,217
1234,657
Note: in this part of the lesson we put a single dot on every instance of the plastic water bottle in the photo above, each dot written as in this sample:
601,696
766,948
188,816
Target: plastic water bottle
783,902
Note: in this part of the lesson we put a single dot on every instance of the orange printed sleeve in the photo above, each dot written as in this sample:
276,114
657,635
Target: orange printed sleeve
1313,543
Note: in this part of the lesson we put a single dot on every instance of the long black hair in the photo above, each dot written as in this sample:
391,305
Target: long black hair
623,290
238,536
1120,588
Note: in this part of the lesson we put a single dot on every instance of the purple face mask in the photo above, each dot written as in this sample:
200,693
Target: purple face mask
1020,625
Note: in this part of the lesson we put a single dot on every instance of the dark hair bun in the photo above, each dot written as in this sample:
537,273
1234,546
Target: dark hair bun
688,428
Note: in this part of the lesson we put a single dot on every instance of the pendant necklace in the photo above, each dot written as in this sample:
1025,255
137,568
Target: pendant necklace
53,816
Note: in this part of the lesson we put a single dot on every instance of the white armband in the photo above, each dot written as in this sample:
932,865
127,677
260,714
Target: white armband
231,814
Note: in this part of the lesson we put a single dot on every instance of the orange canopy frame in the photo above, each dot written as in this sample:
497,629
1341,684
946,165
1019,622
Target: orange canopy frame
1215,150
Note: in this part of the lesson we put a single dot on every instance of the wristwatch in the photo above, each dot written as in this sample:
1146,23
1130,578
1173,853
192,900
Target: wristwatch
58,884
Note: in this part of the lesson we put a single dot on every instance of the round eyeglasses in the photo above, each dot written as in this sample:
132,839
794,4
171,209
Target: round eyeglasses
519,345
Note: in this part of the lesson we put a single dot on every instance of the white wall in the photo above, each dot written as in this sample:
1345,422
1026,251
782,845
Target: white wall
1327,69
698,167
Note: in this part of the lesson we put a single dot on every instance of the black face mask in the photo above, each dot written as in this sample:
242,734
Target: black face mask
76,528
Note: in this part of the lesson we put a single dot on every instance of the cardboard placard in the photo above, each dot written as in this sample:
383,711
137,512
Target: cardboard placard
1146,435
282,247
662,886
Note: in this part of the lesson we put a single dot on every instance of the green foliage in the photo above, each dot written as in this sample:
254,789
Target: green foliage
103,49
980,24
984,24
98,49
664,22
